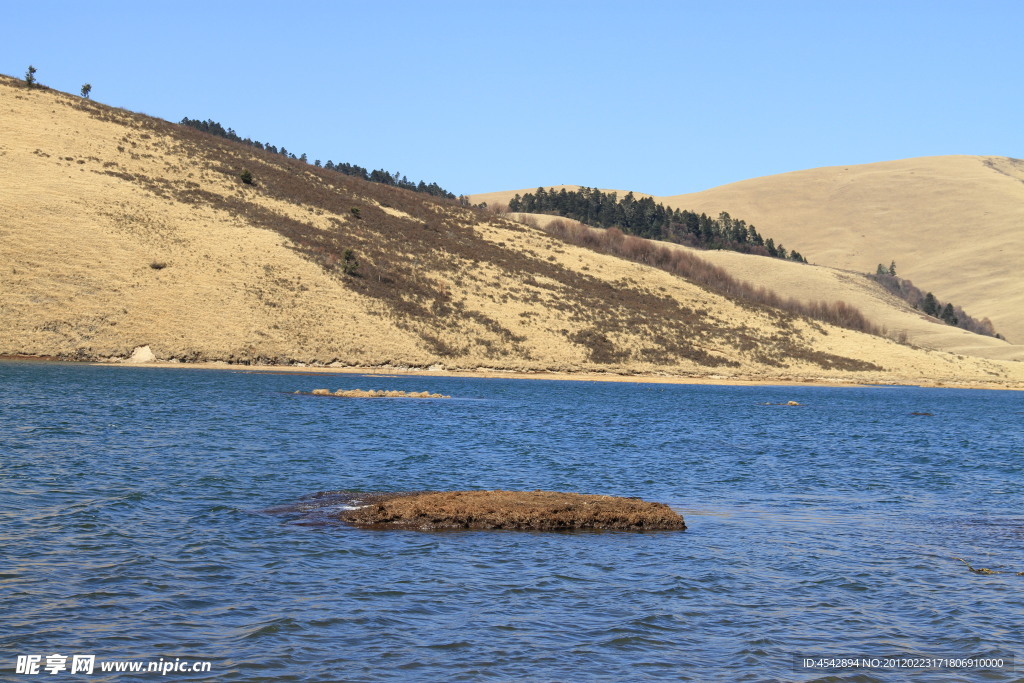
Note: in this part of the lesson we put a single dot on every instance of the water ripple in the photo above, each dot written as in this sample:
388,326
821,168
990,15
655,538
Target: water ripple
139,523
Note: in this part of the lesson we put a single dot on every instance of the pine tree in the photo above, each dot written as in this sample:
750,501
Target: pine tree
30,76
349,264
929,305
86,90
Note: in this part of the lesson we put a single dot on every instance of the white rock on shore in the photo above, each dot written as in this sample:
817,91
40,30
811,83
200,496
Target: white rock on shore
142,354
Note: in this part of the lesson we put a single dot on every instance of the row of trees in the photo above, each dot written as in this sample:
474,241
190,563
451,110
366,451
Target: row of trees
644,218
929,304
376,176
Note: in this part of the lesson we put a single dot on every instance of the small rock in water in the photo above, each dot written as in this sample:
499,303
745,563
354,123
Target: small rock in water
374,393
518,510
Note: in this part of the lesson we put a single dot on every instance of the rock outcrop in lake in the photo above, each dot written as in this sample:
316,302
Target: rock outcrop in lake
519,510
373,393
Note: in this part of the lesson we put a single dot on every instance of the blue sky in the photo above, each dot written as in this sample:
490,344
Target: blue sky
659,97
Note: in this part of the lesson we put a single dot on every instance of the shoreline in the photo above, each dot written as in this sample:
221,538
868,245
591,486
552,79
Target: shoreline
580,376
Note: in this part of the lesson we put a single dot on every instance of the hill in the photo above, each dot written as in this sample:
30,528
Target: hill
123,231
953,224
809,284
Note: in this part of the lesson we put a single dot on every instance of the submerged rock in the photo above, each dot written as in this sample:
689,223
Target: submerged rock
985,571
520,510
373,393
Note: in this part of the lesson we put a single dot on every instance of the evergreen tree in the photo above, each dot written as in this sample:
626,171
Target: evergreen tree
929,305
645,218
349,264
86,90
30,76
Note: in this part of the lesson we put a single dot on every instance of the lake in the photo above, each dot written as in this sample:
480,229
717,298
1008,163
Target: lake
138,523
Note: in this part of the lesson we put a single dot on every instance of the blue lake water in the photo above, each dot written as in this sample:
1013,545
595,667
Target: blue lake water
133,525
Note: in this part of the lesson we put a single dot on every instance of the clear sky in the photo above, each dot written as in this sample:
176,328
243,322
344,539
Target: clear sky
659,97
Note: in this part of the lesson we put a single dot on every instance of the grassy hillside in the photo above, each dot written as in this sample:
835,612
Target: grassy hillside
954,224
810,284
122,231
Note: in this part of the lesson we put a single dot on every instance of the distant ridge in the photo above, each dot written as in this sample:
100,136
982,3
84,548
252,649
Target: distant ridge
375,176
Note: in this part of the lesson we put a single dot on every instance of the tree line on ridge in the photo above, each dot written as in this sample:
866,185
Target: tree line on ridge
376,176
644,218
929,304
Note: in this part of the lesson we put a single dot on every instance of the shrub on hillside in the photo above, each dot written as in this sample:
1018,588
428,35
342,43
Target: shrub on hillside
695,269
349,264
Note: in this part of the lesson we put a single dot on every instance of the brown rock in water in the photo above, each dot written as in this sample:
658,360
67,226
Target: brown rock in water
374,393
521,510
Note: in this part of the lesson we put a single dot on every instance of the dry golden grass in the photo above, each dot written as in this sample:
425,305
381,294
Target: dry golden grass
518,510
123,231
812,284
952,224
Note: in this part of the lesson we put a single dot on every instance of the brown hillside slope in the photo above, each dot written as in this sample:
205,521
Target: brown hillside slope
812,283
953,224
120,231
